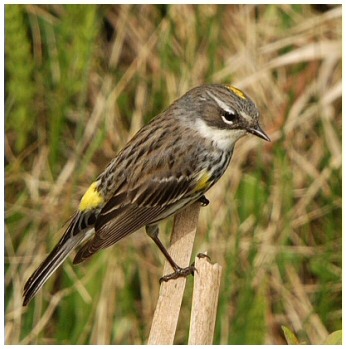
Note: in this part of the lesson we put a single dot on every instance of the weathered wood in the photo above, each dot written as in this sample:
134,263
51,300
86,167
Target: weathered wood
171,293
204,302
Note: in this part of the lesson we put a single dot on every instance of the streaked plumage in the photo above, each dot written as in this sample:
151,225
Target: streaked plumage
169,164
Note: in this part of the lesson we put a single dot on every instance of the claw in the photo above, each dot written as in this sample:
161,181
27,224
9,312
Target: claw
180,272
203,255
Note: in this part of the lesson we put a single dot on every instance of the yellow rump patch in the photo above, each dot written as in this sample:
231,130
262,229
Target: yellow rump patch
238,92
203,182
91,199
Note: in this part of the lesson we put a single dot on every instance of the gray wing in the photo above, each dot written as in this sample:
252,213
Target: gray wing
128,211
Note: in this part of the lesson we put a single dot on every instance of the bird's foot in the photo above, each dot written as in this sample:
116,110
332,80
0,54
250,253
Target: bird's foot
183,272
179,272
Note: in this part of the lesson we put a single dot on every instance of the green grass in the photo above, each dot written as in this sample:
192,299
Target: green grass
80,80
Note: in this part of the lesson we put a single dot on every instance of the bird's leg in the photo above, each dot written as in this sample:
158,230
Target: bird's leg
203,200
153,232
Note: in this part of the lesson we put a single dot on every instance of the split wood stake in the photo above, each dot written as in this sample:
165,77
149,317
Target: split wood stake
204,302
171,293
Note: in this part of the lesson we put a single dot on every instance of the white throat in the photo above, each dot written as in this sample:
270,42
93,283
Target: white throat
223,139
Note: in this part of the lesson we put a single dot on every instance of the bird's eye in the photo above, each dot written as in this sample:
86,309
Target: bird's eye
229,116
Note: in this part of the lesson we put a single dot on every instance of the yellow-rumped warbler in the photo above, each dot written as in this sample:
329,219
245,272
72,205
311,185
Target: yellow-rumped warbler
169,164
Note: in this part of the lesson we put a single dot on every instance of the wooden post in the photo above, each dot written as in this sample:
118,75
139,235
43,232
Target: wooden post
171,293
204,302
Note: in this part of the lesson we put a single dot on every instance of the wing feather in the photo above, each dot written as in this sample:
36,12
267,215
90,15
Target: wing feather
128,221
143,205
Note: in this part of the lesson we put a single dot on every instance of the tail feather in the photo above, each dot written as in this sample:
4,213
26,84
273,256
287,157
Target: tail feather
51,263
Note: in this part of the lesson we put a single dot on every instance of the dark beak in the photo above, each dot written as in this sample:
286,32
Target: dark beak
257,131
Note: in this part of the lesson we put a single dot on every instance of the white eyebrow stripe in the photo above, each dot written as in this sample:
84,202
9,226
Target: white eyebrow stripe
221,104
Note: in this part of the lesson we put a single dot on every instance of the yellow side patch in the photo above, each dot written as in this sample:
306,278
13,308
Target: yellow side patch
91,199
238,92
203,182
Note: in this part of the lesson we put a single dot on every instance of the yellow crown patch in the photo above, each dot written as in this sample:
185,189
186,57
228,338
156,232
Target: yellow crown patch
238,92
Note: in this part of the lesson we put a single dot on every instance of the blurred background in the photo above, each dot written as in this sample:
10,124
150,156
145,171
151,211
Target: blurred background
80,80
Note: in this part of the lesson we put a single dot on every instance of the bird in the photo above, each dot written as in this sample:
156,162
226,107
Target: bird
169,164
